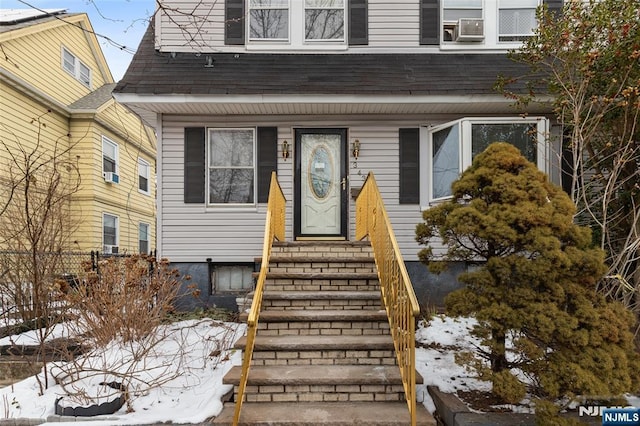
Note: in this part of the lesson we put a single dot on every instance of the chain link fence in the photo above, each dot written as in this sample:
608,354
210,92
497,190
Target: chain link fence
60,270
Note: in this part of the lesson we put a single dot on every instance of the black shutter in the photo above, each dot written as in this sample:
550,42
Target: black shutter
358,22
554,6
267,159
234,22
429,22
194,164
409,166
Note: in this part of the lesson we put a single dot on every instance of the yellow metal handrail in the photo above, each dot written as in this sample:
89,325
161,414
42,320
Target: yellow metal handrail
273,229
397,292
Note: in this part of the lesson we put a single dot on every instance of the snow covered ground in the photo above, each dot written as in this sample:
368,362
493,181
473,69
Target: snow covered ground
189,363
192,362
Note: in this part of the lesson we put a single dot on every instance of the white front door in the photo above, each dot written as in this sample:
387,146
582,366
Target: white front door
320,183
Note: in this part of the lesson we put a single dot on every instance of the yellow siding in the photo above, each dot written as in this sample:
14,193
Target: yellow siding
37,59
38,87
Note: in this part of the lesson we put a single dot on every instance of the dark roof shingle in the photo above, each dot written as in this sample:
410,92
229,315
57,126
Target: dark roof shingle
444,73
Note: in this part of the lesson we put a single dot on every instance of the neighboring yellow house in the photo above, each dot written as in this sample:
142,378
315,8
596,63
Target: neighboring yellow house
55,93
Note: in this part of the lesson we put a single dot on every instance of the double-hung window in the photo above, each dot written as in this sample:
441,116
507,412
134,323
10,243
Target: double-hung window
269,20
68,62
109,156
297,22
323,20
75,67
516,19
451,147
453,11
231,160
143,238
109,230
144,171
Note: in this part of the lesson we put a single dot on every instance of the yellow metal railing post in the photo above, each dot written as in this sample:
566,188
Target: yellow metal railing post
274,229
397,291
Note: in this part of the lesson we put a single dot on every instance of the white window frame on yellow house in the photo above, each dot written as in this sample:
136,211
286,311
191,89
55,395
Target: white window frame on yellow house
147,228
110,149
144,172
105,243
75,67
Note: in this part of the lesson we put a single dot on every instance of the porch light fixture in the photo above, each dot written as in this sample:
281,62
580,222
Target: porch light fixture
356,149
285,150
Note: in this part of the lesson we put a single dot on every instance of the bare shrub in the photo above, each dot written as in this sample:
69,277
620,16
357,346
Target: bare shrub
125,298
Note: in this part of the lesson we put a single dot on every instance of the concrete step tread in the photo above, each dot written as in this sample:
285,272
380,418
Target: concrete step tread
322,275
320,295
320,243
307,258
317,375
325,413
317,343
298,315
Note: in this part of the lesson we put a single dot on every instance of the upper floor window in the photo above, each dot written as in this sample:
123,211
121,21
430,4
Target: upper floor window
516,19
465,22
297,22
268,19
73,65
231,159
324,20
144,171
109,156
452,146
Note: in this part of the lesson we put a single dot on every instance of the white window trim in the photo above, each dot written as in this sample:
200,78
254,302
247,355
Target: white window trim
498,34
490,16
148,232
76,68
106,140
543,157
296,38
104,214
228,206
143,162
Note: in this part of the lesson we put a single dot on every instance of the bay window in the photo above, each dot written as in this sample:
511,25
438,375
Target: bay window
451,147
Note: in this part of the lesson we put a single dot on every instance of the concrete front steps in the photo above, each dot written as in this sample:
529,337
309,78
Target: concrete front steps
323,353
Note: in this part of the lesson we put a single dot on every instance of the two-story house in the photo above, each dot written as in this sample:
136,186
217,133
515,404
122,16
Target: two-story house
56,94
323,92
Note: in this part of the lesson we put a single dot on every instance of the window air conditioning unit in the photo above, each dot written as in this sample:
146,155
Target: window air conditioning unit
108,249
469,30
111,177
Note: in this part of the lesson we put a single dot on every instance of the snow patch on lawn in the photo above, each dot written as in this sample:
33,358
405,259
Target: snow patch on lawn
436,345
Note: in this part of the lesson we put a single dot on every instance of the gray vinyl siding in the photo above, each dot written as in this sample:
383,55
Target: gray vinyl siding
391,24
394,23
194,232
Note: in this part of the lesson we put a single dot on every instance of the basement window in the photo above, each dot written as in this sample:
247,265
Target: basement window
236,278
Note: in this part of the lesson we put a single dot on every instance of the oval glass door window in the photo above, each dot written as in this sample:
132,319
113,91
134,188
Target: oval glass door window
321,172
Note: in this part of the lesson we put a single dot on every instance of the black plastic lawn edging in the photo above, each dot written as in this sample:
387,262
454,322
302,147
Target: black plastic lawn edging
93,410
